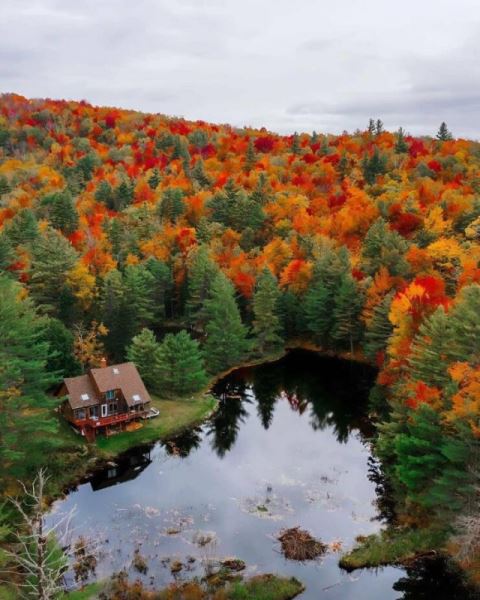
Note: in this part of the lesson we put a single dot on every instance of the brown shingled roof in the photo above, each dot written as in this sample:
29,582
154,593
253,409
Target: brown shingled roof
78,386
124,377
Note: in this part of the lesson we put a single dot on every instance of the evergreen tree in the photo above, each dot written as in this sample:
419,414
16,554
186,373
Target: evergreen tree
123,195
401,145
342,166
23,228
465,326
374,166
383,247
226,343
250,156
318,311
199,175
292,314
104,194
7,255
296,148
379,329
154,179
266,325
52,257
431,348
261,194
172,205
320,299
201,273
62,213
139,293
4,186
379,127
347,327
180,365
114,313
143,351
28,428
433,465
371,127
443,133
161,286
419,459
61,361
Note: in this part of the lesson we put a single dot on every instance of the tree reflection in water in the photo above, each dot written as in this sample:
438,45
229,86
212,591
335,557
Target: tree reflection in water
225,424
434,579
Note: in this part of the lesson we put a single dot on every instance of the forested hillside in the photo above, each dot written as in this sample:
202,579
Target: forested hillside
116,224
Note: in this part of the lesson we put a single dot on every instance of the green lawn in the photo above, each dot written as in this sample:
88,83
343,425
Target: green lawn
175,416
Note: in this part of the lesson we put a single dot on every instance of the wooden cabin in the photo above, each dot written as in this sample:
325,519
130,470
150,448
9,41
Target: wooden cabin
105,399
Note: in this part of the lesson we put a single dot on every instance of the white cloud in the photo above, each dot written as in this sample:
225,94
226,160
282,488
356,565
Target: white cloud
288,66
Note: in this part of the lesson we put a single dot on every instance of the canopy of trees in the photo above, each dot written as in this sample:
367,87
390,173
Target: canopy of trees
113,222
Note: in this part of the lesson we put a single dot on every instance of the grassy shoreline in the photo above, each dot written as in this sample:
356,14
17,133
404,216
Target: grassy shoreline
177,415
257,587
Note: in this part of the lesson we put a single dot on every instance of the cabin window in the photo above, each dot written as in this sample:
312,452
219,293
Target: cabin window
110,395
94,411
80,413
112,407
104,410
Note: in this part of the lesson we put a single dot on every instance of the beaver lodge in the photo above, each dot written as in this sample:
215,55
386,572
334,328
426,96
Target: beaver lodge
105,399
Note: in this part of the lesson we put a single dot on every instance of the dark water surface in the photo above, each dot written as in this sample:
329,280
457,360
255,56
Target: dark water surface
287,447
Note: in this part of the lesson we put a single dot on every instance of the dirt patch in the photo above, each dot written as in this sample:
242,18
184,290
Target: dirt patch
298,544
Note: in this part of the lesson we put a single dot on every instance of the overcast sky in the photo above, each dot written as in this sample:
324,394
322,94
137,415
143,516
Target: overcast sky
284,64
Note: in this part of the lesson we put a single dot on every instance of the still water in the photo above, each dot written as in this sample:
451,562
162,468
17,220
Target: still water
288,447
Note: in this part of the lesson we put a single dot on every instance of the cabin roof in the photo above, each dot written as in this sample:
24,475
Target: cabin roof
86,390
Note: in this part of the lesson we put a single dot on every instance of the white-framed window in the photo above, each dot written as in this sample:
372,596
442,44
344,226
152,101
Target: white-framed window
104,410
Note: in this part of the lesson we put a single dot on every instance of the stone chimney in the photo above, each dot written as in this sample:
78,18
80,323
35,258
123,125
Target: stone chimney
103,363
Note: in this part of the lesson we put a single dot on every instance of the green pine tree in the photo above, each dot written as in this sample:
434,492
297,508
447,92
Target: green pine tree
154,179
28,427
250,156
226,344
431,348
384,248
143,351
379,329
202,270
199,175
61,360
180,365
266,325
172,205
23,228
296,148
52,257
347,326
62,213
114,313
465,326
7,255
139,294
443,133
401,145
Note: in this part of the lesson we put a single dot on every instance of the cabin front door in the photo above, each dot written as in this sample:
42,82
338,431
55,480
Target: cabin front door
104,410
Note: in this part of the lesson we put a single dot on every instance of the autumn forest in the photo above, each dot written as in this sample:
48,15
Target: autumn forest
117,225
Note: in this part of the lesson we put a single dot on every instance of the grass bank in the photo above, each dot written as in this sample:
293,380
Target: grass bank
175,416
392,547
259,587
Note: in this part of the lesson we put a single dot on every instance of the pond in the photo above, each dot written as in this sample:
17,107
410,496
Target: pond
288,447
